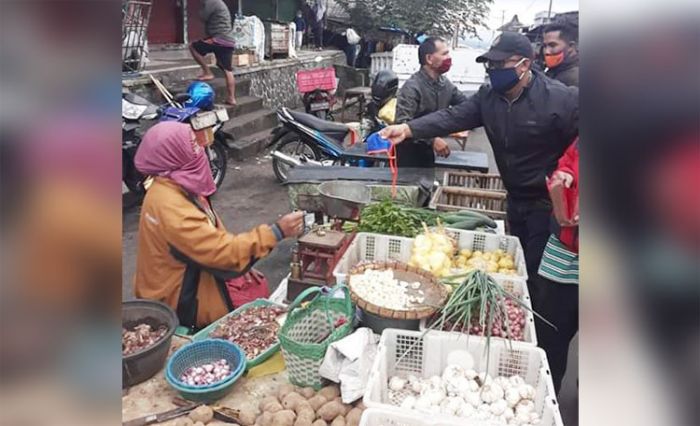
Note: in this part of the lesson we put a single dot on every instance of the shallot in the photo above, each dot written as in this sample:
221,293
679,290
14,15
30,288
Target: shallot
141,337
254,329
207,374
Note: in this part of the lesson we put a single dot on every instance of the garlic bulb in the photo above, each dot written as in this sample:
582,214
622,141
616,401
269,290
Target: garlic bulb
473,398
527,391
397,383
465,410
498,407
470,374
409,402
534,418
491,393
526,407
516,381
512,396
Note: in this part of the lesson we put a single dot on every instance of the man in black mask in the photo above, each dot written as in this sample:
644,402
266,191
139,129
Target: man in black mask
428,90
529,119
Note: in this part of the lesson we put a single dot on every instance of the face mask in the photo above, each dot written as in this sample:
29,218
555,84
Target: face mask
445,66
552,61
504,79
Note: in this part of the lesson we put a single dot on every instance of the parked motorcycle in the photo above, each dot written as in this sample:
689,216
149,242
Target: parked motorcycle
196,109
317,87
305,139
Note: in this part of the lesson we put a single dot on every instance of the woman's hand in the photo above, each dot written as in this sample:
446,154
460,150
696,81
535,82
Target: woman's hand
292,224
396,133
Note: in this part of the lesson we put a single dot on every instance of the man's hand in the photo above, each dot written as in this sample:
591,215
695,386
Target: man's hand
441,148
564,177
292,224
396,133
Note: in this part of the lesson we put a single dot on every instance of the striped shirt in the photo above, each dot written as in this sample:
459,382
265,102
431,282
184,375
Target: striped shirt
558,263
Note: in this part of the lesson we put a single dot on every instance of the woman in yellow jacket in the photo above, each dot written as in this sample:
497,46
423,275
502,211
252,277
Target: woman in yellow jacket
185,255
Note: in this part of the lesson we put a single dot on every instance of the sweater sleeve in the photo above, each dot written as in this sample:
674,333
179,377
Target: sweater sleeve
190,231
465,116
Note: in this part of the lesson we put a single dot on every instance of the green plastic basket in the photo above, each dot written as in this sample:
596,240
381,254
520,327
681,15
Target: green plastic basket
303,353
204,333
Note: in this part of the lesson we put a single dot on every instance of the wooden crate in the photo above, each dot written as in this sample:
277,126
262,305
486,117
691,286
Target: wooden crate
474,180
241,60
451,198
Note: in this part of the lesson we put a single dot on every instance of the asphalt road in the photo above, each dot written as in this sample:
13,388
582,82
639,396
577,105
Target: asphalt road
250,195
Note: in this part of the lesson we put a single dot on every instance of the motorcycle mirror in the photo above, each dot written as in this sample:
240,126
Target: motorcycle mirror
318,59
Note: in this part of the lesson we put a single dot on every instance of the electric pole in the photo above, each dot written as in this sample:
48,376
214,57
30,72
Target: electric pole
549,11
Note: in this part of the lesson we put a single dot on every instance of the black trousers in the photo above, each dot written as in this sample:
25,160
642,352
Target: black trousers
415,154
560,307
529,220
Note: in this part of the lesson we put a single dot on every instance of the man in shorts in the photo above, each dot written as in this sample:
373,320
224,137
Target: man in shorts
219,41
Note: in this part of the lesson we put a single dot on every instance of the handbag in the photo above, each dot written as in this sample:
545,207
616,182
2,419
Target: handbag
247,288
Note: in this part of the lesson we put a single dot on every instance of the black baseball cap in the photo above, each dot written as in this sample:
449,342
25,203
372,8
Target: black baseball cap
507,44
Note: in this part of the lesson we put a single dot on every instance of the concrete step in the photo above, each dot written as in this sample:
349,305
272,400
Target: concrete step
244,125
245,105
219,86
249,146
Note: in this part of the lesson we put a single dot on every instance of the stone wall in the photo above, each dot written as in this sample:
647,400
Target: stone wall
277,85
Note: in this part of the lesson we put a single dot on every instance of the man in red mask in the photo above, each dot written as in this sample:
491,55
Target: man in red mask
428,90
561,53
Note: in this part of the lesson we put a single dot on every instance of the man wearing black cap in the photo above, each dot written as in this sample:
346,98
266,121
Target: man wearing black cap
529,119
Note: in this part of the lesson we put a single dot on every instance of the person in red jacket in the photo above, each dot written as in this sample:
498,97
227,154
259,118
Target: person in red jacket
558,269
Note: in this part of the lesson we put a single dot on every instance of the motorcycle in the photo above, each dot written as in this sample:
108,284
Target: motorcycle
304,139
318,87
136,110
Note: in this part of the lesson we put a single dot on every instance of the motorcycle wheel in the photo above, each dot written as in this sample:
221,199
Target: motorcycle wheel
292,145
217,155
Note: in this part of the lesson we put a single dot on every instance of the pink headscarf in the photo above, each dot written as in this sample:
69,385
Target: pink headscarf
169,149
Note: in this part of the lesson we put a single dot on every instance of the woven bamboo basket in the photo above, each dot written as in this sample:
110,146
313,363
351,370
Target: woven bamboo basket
435,293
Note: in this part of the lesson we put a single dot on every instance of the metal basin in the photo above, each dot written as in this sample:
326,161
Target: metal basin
344,200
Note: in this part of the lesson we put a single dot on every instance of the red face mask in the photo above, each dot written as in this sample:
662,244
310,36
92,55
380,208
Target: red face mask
445,66
552,61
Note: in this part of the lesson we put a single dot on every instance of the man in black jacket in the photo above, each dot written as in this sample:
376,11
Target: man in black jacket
529,119
428,90
561,53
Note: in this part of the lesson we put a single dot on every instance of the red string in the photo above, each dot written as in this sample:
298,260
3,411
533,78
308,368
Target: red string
394,170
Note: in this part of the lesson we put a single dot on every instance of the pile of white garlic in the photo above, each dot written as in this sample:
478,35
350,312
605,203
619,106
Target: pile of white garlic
503,400
382,289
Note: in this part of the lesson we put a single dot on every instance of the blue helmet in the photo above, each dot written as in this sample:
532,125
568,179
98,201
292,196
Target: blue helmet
201,95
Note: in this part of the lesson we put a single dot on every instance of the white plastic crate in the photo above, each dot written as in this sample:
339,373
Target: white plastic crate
403,353
369,247
381,417
517,287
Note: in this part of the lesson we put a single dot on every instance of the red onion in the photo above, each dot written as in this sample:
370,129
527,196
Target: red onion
515,320
207,374
254,329
141,337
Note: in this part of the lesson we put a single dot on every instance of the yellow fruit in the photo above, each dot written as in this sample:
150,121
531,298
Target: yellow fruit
465,253
503,271
499,252
505,263
493,267
477,254
486,256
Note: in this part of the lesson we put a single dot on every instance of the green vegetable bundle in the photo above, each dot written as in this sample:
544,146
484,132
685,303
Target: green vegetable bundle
387,217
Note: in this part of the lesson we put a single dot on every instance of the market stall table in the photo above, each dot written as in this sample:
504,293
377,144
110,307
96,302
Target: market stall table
461,160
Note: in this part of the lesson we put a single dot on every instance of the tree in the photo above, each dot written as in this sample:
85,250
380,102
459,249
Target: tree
434,17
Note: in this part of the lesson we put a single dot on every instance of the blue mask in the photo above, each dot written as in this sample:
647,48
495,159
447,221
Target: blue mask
504,79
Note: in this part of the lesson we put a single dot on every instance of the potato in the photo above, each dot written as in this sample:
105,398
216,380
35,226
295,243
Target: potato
330,411
184,421
338,421
361,405
307,392
291,400
283,418
272,407
353,417
265,419
285,389
317,402
305,414
199,424
329,392
320,422
346,407
247,416
203,414
302,422
303,406
266,400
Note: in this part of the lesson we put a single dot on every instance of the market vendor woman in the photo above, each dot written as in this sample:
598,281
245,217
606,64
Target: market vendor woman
185,255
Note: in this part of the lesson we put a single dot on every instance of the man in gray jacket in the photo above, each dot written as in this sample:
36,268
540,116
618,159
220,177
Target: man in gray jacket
219,40
425,92
529,119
